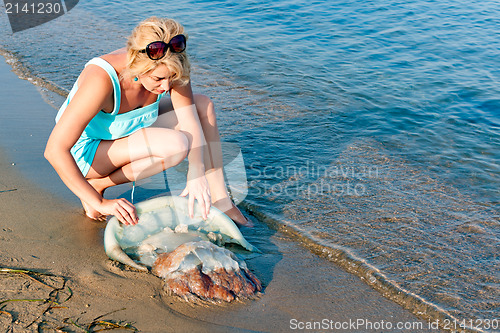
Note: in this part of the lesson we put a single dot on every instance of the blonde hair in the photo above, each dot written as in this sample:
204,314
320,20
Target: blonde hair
151,30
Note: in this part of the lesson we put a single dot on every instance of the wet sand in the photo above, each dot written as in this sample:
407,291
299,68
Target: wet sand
43,229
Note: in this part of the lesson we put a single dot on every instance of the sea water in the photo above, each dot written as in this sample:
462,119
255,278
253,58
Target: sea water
371,128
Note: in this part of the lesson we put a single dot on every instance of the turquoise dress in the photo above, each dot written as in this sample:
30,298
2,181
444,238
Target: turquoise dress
108,126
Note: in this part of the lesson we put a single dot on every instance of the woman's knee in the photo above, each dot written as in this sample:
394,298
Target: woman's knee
162,143
180,146
204,106
174,146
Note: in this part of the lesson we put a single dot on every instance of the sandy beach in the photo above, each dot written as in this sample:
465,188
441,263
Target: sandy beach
43,229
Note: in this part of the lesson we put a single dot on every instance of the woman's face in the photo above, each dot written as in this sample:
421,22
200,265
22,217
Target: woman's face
158,80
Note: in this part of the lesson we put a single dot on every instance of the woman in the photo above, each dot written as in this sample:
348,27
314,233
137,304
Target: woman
115,127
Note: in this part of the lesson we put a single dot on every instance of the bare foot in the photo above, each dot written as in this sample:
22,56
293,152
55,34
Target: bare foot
230,209
91,212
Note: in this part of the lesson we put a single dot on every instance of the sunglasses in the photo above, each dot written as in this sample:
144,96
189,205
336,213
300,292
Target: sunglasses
157,50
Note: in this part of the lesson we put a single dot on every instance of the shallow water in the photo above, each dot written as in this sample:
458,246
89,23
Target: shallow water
370,127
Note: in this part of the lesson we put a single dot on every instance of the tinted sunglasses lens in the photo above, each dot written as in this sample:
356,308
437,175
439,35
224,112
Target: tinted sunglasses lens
178,43
156,50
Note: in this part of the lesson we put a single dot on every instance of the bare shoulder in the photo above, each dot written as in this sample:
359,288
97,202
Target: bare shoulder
95,91
117,59
182,95
94,78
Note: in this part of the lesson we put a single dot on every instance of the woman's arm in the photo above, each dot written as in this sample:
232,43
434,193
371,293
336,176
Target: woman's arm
187,116
94,89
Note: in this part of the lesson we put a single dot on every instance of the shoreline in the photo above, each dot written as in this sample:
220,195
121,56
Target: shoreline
44,230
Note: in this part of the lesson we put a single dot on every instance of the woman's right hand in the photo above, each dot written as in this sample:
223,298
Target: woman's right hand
124,211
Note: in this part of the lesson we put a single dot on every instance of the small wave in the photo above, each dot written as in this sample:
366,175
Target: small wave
50,92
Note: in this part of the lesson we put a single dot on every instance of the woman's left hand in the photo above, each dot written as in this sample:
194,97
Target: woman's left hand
197,188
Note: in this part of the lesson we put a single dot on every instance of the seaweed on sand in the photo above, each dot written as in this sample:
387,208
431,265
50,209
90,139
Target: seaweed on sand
57,294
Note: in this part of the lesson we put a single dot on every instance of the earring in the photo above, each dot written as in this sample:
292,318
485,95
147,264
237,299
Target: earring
136,79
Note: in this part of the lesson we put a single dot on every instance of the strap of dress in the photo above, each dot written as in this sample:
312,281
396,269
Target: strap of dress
114,79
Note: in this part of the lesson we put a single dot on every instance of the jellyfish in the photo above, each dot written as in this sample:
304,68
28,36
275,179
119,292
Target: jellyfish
187,253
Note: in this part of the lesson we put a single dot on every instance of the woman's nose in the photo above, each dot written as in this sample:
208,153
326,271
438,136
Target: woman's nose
165,85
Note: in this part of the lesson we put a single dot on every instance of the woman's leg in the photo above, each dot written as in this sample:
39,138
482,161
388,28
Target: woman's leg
212,153
138,156
214,162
